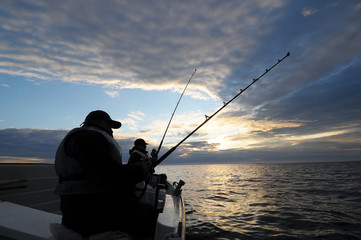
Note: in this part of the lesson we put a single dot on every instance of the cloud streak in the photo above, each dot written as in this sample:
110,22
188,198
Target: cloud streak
132,45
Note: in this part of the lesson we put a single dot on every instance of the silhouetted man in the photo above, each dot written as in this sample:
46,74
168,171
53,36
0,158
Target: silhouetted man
95,188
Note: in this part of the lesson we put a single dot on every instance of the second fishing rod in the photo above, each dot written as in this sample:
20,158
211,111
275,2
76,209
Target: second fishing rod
175,109
161,159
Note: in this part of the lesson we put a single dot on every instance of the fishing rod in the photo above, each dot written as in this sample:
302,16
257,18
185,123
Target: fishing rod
170,120
161,159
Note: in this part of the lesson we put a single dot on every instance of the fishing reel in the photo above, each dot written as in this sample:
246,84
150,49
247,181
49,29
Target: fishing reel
178,187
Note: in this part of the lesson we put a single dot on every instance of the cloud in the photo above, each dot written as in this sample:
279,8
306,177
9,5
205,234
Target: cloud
329,102
308,11
138,115
132,122
112,94
310,152
149,46
12,159
35,143
109,44
311,99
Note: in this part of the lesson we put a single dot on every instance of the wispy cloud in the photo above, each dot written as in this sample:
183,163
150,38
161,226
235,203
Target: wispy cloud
12,159
132,123
138,115
112,94
308,11
121,55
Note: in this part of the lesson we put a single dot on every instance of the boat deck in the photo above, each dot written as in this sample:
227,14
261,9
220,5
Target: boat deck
30,185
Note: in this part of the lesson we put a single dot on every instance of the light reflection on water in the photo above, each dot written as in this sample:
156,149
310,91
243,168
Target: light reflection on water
245,201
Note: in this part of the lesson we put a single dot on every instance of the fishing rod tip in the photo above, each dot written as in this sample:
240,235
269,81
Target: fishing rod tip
288,54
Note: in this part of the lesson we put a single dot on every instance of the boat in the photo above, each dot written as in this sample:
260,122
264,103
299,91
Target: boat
29,210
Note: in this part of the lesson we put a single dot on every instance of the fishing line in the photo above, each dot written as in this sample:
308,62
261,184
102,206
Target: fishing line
225,104
170,120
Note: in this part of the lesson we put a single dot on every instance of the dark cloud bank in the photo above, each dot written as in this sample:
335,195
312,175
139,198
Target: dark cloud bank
42,144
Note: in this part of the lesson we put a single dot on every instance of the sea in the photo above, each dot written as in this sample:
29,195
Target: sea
270,201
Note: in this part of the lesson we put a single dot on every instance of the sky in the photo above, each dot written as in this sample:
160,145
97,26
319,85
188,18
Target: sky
60,60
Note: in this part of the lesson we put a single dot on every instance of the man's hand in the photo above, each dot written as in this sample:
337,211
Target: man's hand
154,155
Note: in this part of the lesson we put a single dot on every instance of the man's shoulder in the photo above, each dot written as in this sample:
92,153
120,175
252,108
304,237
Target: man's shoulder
85,134
136,153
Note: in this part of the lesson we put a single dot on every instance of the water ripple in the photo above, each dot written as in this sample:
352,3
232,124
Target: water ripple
272,201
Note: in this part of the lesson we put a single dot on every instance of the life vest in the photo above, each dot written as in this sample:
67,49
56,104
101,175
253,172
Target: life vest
144,157
74,178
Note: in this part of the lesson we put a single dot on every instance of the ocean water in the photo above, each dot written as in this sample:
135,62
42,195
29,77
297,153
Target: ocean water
271,201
